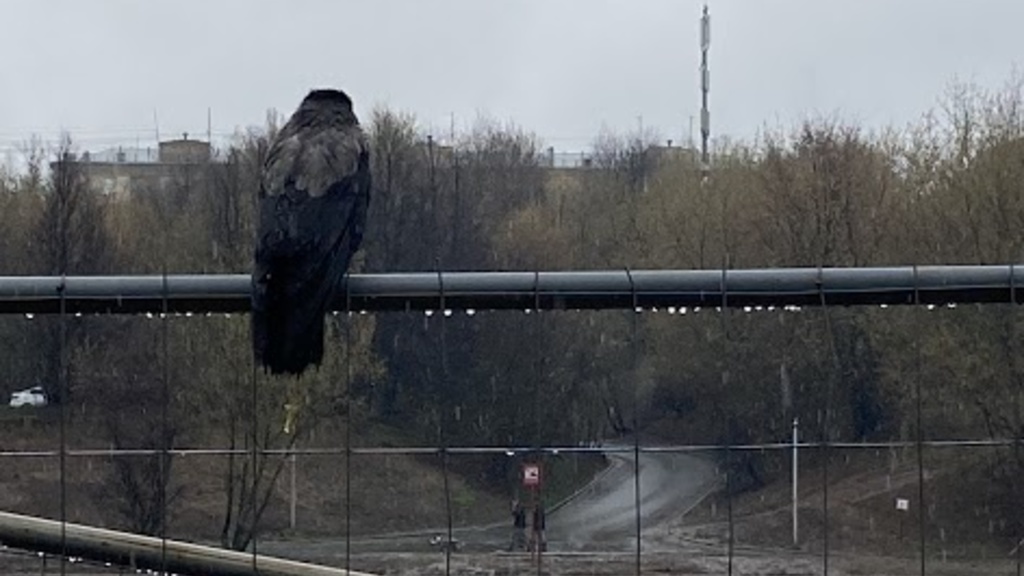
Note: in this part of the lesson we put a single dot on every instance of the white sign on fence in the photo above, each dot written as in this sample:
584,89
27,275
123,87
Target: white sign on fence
902,504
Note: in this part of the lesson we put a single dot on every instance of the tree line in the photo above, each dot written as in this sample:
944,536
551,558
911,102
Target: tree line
948,189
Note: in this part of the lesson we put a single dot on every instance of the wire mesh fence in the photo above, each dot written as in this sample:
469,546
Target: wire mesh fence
649,439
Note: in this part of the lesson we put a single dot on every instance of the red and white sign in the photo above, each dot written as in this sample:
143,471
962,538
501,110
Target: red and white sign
531,475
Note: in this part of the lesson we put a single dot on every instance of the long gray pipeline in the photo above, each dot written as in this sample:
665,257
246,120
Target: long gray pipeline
144,552
557,290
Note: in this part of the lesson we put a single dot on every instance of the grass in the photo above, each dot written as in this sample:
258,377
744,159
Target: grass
389,492
961,518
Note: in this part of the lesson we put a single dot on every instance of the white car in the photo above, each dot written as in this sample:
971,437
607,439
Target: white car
33,396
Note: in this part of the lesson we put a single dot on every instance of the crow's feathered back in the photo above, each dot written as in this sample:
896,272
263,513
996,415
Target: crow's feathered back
314,193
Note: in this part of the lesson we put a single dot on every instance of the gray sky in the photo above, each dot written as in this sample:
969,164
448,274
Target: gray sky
561,68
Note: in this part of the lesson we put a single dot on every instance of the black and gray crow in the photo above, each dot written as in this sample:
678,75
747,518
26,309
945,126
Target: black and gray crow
313,198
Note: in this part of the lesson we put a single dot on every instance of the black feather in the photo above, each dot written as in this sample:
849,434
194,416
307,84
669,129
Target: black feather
315,192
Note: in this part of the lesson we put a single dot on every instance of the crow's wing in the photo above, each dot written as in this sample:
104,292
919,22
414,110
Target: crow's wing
312,162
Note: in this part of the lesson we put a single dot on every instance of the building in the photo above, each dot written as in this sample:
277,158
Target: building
567,172
120,172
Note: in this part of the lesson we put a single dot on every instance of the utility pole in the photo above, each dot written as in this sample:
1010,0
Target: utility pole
796,443
294,495
642,149
705,87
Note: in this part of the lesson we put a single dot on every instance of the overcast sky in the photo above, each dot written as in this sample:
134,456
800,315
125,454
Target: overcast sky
561,68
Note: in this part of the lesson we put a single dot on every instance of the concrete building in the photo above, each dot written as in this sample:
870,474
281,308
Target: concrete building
120,172
566,172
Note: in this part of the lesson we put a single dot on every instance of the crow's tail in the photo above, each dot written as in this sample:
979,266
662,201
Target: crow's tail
288,337
290,300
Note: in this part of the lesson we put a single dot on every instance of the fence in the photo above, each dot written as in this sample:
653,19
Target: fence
668,421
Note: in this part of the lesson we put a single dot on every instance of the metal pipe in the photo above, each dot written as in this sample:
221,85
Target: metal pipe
558,290
144,552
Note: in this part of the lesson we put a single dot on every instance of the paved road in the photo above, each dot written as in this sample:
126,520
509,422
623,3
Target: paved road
604,515
601,517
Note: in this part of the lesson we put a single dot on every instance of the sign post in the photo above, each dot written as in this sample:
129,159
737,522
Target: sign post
531,476
532,482
902,507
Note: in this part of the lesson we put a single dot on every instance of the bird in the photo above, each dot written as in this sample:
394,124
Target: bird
314,193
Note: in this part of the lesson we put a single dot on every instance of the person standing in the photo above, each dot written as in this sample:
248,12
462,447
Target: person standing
537,540
518,527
